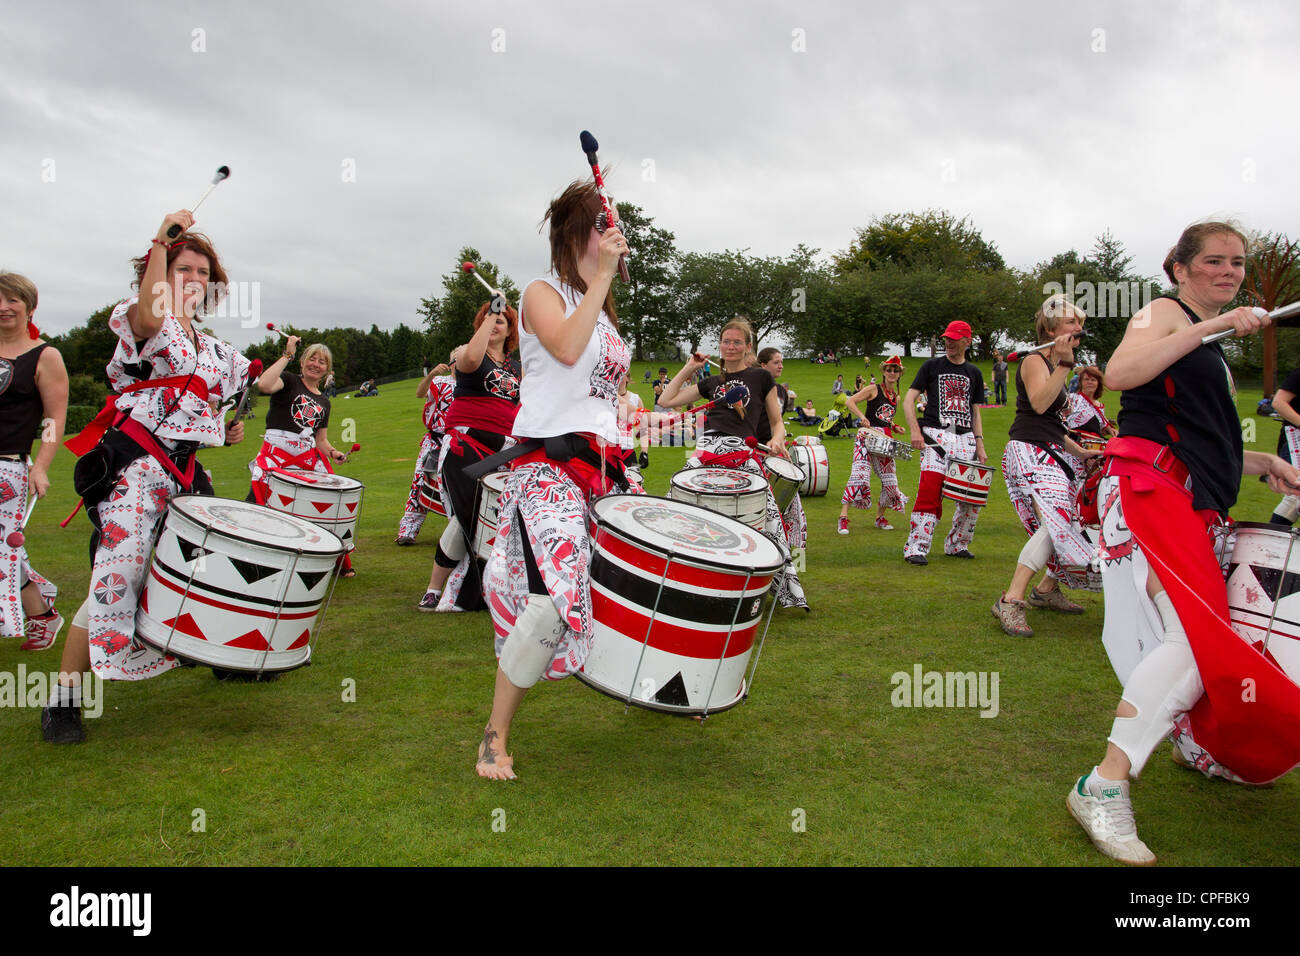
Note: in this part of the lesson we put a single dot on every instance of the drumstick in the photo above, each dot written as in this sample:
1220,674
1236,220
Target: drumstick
355,448
1018,356
603,222
223,172
498,297
1285,312
16,539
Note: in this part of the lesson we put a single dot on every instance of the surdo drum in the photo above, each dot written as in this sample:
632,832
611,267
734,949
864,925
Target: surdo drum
784,477
815,466
429,493
677,595
733,492
236,585
968,481
485,528
331,501
1263,578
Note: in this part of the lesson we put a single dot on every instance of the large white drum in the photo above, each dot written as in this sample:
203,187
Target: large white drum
485,528
1264,591
733,492
784,477
677,595
236,586
816,468
331,501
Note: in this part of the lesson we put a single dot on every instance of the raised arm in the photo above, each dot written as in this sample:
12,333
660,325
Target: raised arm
155,303
543,313
270,381
676,393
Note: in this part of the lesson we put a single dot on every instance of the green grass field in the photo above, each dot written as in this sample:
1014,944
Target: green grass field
817,767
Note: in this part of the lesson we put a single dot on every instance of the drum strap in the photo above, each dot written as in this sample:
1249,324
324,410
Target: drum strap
1043,446
133,430
90,435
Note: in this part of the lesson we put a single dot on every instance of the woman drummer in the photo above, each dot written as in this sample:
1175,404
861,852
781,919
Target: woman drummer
166,374
479,423
1043,467
33,401
538,578
882,403
731,432
436,389
1087,412
1173,471
297,421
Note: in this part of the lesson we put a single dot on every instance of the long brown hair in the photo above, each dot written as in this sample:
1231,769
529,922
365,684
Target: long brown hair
194,242
572,215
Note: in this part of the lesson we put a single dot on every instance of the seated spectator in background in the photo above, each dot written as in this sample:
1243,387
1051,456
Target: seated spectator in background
807,415
367,389
838,387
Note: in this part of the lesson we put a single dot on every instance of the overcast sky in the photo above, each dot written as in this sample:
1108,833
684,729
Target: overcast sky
369,142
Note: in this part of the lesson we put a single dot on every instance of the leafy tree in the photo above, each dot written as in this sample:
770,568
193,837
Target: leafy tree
772,291
933,239
450,319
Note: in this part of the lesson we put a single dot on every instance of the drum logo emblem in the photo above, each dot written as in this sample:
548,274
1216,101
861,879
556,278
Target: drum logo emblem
684,528
110,589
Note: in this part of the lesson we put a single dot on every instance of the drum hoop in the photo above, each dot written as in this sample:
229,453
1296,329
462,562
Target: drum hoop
758,488
677,557
288,477
265,544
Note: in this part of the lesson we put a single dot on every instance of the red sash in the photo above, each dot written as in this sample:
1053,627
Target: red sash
89,436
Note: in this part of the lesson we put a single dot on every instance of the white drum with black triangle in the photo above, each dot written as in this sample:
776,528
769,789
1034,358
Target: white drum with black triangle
235,585
331,501
1264,591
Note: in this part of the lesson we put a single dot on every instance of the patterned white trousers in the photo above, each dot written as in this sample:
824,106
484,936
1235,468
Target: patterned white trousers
15,567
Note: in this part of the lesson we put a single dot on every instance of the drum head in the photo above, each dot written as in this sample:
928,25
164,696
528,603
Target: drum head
784,468
496,481
315,479
718,481
256,524
687,531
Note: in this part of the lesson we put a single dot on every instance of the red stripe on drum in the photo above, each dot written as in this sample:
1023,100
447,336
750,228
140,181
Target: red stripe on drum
197,594
631,622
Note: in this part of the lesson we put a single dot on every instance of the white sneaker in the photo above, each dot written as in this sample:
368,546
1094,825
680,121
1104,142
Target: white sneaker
1104,810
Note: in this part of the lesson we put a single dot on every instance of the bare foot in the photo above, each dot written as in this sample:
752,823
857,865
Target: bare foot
493,762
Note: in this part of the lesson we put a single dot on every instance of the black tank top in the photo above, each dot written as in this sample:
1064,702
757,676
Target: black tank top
295,409
879,412
490,380
1029,426
21,409
1191,407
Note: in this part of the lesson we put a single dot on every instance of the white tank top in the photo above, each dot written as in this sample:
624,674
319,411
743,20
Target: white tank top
556,399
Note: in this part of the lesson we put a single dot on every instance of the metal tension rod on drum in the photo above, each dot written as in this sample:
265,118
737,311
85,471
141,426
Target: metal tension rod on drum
180,607
279,611
1284,312
771,609
749,573
627,705
1281,587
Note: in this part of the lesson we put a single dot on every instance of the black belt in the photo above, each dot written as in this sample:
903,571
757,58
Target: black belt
558,448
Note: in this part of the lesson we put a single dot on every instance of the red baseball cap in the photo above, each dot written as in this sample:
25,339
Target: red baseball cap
957,330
